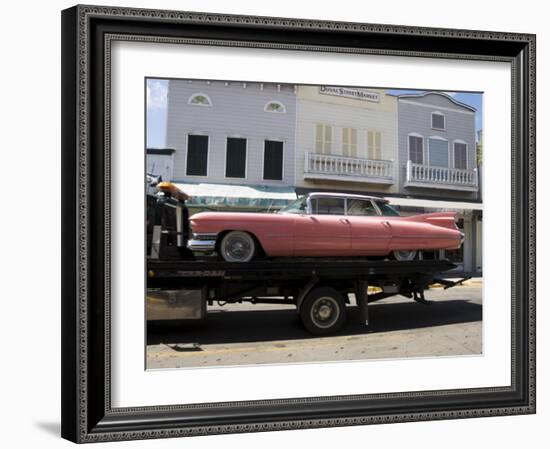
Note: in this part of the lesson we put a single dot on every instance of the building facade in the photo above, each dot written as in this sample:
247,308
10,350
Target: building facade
418,150
346,138
231,132
437,159
437,147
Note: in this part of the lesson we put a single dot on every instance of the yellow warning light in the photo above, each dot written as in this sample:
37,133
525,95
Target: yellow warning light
172,190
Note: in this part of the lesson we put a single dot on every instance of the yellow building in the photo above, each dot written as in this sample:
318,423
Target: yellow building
346,138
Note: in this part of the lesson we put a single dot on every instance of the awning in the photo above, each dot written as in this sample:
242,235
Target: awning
435,204
231,195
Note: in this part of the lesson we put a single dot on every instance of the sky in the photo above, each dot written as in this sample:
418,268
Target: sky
157,95
157,91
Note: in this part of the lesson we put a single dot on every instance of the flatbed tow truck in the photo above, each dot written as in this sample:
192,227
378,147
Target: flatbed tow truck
181,286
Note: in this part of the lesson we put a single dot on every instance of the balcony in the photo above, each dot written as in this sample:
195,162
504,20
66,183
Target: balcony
352,169
419,175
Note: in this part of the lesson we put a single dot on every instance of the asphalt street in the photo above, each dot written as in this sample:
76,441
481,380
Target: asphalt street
244,334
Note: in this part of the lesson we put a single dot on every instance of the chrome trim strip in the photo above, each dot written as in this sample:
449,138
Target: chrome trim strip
443,237
201,245
205,235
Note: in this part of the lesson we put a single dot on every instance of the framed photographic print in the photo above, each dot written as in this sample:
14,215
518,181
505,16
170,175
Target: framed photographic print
277,224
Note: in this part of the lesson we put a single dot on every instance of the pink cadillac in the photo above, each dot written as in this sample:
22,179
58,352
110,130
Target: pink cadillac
324,225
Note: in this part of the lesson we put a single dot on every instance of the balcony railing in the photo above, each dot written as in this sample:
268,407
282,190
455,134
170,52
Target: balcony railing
342,168
419,175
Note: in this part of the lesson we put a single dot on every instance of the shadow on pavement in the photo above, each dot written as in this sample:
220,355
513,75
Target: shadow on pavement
268,325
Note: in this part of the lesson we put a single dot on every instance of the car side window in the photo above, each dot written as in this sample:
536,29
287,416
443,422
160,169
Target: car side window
328,206
358,207
386,209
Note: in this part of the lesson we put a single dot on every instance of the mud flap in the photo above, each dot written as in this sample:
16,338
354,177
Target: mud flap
361,296
307,288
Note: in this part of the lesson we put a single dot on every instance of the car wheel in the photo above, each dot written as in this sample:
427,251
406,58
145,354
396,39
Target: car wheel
323,311
237,246
405,255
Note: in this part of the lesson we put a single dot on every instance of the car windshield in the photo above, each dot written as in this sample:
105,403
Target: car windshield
296,207
386,209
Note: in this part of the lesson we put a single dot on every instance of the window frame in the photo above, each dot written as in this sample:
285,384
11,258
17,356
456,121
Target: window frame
349,143
423,149
207,155
275,112
444,121
441,139
245,157
374,133
323,125
282,141
462,142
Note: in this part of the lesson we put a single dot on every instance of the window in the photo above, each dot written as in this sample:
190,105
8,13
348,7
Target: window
387,210
323,138
200,99
460,155
361,207
349,142
438,120
328,206
273,160
296,207
416,150
439,152
235,158
374,141
275,106
197,155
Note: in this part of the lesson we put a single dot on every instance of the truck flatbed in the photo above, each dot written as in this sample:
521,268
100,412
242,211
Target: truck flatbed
319,288
174,272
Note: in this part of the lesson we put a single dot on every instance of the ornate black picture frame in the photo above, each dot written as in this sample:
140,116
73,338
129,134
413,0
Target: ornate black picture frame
87,33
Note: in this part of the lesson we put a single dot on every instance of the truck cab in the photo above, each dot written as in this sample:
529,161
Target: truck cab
167,223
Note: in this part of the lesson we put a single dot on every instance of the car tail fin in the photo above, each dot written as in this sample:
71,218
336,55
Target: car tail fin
443,219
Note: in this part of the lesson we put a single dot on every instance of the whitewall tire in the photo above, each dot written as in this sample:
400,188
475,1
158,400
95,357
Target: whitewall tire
405,255
237,246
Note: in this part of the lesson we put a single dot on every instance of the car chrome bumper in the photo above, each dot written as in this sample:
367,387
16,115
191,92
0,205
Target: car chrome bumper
202,242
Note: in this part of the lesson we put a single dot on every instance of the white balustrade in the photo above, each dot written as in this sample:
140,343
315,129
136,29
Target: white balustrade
427,174
325,164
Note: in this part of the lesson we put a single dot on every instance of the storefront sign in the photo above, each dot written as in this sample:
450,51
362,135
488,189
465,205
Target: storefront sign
358,94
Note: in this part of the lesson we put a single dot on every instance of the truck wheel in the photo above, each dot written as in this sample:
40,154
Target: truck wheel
323,311
237,246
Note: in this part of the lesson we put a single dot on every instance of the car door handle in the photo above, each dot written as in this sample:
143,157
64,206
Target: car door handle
344,220
387,224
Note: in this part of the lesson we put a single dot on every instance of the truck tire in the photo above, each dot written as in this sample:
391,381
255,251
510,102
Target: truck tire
323,311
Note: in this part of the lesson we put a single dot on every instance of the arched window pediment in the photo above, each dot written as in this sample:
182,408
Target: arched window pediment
275,106
200,99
